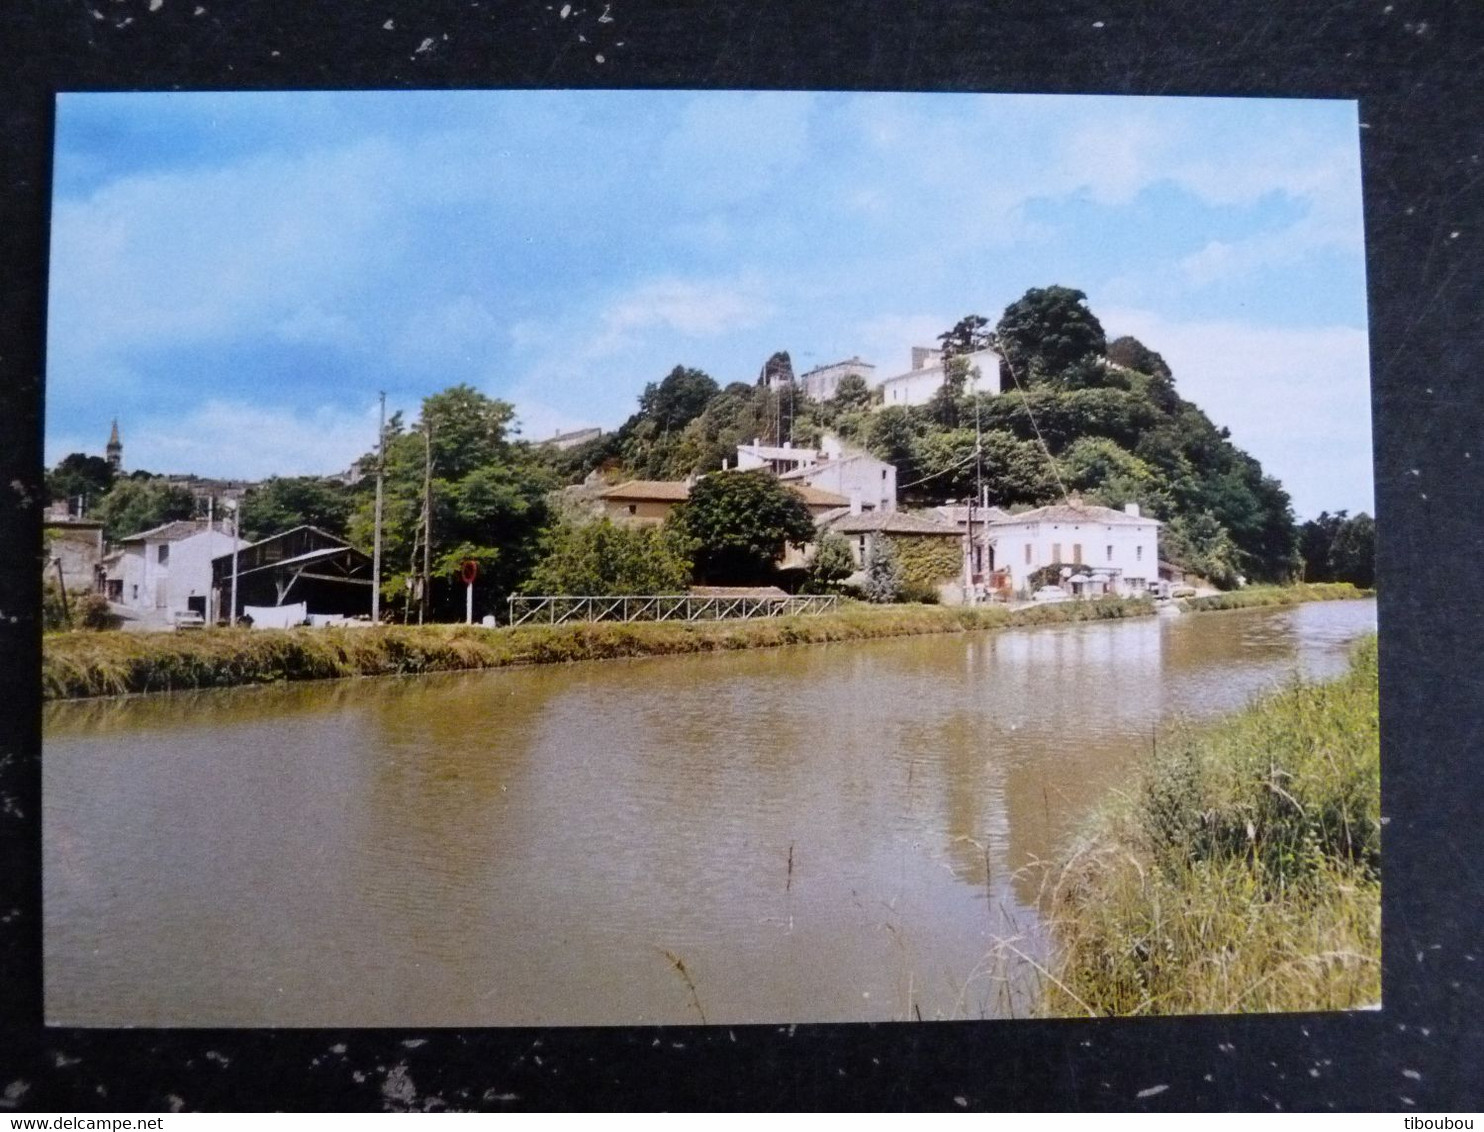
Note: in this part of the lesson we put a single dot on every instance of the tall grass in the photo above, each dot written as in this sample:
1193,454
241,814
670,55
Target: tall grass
76,665
1243,873
1255,596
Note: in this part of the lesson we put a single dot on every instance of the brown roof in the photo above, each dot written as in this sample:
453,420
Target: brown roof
817,496
890,523
677,491
660,491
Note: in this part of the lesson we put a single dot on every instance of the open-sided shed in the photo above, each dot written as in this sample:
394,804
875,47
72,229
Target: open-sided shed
300,565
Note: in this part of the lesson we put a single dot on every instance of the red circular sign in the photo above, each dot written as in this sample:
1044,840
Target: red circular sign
469,571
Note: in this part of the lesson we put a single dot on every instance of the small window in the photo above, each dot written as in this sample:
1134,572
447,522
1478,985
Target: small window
1110,554
633,508
1056,552
163,554
1138,554
1027,554
136,592
1077,553
883,473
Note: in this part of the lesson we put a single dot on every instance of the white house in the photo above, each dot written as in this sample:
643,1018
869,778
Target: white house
167,569
1112,551
822,382
870,484
918,384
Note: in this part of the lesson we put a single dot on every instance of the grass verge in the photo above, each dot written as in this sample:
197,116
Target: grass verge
1256,596
81,664
1242,874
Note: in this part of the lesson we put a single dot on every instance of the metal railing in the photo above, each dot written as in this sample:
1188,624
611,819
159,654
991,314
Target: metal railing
661,607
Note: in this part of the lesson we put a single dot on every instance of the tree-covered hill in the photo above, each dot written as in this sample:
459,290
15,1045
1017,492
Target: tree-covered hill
1078,413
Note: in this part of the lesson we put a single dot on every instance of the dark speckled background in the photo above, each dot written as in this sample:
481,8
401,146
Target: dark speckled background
1416,68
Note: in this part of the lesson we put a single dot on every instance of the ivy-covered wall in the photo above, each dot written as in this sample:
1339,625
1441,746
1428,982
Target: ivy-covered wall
927,560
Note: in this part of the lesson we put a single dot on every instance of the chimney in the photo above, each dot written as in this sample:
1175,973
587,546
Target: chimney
1131,509
855,501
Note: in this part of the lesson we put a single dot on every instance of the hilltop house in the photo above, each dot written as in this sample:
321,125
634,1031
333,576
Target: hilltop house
167,570
925,378
822,382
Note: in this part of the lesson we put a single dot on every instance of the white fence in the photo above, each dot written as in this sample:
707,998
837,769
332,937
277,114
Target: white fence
662,607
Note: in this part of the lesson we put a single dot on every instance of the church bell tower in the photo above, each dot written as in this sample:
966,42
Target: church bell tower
115,449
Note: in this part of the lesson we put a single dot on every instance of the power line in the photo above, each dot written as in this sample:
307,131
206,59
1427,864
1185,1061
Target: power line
1024,400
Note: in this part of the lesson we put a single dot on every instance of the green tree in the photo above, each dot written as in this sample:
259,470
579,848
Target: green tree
969,335
851,393
1338,548
892,434
79,474
1046,330
830,564
740,523
1354,552
284,502
488,502
139,505
596,559
778,368
883,572
1202,545
678,399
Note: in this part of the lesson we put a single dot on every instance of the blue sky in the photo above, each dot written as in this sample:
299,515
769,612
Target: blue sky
235,276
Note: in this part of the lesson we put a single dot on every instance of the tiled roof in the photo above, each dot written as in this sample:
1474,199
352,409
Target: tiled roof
959,513
817,496
890,523
172,532
661,491
1075,512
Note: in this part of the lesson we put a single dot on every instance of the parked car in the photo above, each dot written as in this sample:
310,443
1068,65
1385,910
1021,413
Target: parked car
1051,593
188,619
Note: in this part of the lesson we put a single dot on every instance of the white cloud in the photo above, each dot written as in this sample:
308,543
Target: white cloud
238,440
689,308
1297,398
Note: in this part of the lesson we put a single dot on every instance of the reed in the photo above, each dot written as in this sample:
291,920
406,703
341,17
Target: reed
82,664
1243,872
1256,596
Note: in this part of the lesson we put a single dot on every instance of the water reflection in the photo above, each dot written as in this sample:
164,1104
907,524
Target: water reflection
820,834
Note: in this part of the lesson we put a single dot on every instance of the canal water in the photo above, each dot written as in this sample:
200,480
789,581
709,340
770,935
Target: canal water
821,833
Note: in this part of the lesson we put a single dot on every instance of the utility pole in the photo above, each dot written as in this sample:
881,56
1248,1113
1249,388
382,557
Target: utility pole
422,608
211,589
376,538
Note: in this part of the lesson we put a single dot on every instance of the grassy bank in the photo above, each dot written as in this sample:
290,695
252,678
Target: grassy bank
81,664
1243,873
1256,596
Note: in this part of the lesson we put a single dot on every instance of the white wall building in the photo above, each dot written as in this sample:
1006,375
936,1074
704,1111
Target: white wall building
167,570
821,382
1121,546
870,484
918,384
